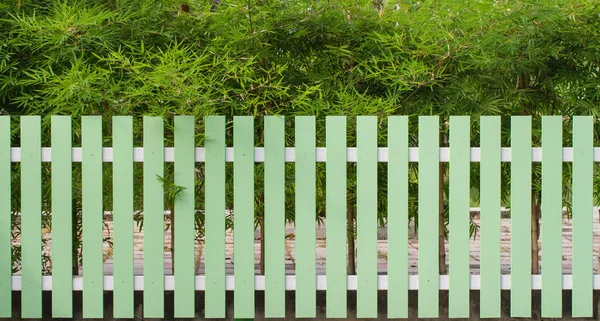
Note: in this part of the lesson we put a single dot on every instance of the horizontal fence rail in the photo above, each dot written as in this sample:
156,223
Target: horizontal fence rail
383,283
290,154
206,202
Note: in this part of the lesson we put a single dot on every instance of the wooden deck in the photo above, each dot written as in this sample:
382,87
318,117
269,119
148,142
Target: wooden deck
321,249
382,252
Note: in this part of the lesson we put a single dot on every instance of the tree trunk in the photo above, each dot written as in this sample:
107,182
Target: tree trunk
442,245
74,239
523,82
172,217
351,263
535,234
262,245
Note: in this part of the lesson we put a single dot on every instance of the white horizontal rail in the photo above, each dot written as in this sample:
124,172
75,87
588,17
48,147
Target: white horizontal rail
321,154
290,282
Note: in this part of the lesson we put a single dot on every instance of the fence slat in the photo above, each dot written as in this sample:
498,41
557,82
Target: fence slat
243,217
366,217
583,220
274,217
184,240
428,232
215,217
520,217
5,220
154,216
459,199
490,217
335,202
123,304
397,217
551,216
305,178
92,216
62,196
31,219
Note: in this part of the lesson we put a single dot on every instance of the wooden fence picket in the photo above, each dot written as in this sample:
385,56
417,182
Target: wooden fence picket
336,202
274,216
520,217
459,198
490,217
305,178
552,216
428,215
62,195
397,217
92,217
154,217
31,217
243,217
123,301
366,217
583,219
215,217
5,220
184,238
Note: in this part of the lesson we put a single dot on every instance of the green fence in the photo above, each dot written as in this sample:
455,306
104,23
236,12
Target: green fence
305,281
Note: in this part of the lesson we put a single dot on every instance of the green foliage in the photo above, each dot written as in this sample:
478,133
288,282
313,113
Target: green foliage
130,57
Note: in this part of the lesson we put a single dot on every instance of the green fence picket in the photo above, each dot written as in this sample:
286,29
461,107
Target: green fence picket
274,217
490,217
31,217
92,217
62,258
243,217
335,202
397,217
459,201
5,220
366,217
551,216
122,128
154,217
184,238
520,217
305,178
428,232
583,219
215,217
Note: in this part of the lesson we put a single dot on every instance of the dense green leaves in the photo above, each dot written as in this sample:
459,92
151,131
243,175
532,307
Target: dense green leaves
264,57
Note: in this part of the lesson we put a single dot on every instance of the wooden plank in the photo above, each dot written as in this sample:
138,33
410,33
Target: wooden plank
366,217
429,144
583,216
62,196
92,217
184,174
154,216
243,217
490,217
31,217
274,217
122,127
335,202
5,219
215,217
520,217
305,178
397,223
459,199
551,216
